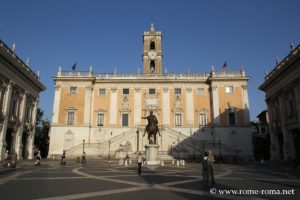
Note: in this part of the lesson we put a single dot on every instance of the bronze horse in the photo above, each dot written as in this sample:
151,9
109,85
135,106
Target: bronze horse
152,132
152,128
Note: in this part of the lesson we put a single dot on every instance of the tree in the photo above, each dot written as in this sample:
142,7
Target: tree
41,137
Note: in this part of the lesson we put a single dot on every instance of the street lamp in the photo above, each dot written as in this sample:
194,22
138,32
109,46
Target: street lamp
83,143
108,149
137,139
193,151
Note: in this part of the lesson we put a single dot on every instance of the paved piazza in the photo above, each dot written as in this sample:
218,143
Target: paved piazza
99,179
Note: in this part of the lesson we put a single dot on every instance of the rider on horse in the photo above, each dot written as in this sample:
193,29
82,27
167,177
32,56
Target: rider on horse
152,126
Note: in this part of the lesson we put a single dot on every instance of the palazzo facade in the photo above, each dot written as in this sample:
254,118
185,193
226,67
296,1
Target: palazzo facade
101,113
19,96
282,91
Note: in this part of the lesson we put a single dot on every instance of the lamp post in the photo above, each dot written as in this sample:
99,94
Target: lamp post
108,149
83,143
137,139
193,151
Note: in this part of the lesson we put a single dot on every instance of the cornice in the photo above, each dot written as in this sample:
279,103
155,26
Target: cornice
13,59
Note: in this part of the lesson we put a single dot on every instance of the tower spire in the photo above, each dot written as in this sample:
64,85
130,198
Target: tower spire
152,27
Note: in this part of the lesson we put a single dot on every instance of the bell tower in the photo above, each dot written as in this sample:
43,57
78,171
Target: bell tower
152,55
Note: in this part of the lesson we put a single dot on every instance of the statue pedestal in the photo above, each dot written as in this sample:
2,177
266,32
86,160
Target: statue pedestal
152,154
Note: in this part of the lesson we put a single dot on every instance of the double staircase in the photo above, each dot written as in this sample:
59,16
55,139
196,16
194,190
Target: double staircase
173,144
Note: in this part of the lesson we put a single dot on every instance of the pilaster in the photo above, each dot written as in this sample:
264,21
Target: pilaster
56,104
87,105
113,107
215,100
7,100
166,106
19,134
189,107
246,104
137,106
31,137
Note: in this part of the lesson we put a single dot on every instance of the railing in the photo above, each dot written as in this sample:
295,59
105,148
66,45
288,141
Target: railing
283,63
76,74
229,73
19,60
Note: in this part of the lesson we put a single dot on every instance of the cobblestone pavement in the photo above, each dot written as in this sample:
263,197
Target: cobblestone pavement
99,179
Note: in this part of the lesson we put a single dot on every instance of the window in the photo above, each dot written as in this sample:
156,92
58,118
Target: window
202,119
263,130
152,45
70,118
125,91
102,92
254,129
177,119
177,91
201,92
73,90
124,119
231,116
229,89
100,121
151,91
152,66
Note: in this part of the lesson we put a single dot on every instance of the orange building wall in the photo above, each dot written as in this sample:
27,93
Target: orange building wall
72,100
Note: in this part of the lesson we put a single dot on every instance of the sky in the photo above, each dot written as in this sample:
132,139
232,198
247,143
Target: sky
107,34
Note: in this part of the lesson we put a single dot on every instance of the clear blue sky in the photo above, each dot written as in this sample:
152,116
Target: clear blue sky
108,35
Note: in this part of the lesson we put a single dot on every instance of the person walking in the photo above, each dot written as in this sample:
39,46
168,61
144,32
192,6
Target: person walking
206,168
63,158
211,158
140,159
38,159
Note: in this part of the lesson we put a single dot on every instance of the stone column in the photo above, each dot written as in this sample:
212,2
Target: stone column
6,106
19,135
56,104
137,106
284,130
113,107
2,92
189,107
31,138
273,138
246,104
87,105
215,99
166,106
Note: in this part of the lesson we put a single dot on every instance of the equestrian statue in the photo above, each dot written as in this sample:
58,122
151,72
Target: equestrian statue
151,128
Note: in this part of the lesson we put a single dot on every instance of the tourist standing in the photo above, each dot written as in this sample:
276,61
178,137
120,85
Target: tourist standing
206,168
211,158
140,159
83,160
63,158
38,159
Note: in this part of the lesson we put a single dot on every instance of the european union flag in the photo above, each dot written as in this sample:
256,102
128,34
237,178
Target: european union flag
74,66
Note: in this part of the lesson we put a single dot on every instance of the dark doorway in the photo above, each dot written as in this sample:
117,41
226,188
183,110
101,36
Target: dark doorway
296,134
24,145
8,139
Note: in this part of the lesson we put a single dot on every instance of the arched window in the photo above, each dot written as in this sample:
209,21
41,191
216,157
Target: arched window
152,45
152,66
